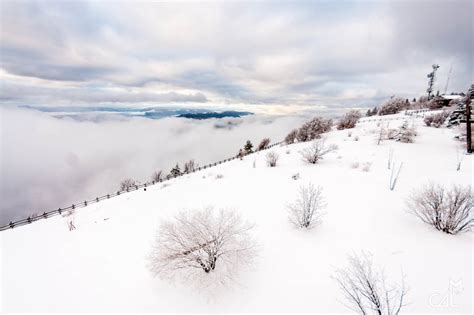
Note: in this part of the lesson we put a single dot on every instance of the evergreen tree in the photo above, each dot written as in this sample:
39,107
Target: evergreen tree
248,147
175,171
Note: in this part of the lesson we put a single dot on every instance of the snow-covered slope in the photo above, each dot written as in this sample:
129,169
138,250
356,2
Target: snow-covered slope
101,266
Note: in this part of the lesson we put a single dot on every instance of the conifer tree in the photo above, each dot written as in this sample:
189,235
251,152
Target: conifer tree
175,171
248,147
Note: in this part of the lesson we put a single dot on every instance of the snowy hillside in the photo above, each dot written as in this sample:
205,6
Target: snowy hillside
101,266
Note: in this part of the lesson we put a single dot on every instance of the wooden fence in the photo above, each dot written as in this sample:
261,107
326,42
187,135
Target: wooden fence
82,204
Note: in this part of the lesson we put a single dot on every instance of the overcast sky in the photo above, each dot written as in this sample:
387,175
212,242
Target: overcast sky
311,53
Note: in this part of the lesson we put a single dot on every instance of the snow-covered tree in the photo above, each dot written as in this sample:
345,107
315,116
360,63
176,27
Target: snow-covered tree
307,210
349,120
272,158
366,290
316,151
203,242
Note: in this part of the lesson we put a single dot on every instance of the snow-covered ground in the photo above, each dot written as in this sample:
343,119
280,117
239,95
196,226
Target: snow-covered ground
102,266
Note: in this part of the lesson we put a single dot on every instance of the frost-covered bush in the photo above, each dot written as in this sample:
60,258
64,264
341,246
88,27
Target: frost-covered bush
316,151
202,242
272,158
307,210
291,137
366,289
313,129
189,166
448,210
403,134
393,106
157,176
263,144
126,184
436,120
349,120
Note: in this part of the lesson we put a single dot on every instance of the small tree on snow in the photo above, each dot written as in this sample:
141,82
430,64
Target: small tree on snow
202,242
175,171
366,290
448,210
248,147
316,151
307,210
272,158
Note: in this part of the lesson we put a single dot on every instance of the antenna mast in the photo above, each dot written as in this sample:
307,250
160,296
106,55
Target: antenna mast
431,80
447,81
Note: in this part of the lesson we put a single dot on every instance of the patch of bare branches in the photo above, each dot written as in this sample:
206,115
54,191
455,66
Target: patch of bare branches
349,120
403,134
313,129
393,106
203,243
316,151
126,184
307,210
272,158
157,176
263,144
448,210
436,120
291,137
366,290
190,166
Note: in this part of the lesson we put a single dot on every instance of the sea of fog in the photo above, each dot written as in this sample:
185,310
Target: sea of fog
50,160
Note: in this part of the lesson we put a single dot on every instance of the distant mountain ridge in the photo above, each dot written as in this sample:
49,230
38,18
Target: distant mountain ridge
208,115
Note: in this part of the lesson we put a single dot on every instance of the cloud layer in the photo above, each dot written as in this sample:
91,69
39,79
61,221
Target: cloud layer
305,53
48,163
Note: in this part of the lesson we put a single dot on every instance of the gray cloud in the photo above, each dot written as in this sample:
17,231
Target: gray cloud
305,53
48,163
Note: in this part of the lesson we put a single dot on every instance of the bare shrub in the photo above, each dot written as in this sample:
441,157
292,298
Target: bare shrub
403,134
356,138
366,166
307,210
316,151
355,164
291,137
263,144
126,184
436,120
366,290
157,176
349,120
202,243
448,210
272,158
295,176
219,176
313,129
393,106
190,166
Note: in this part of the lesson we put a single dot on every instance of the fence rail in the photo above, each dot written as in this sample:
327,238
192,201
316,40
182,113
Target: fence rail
83,204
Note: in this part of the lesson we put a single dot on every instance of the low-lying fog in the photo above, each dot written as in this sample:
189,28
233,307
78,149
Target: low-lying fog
48,162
